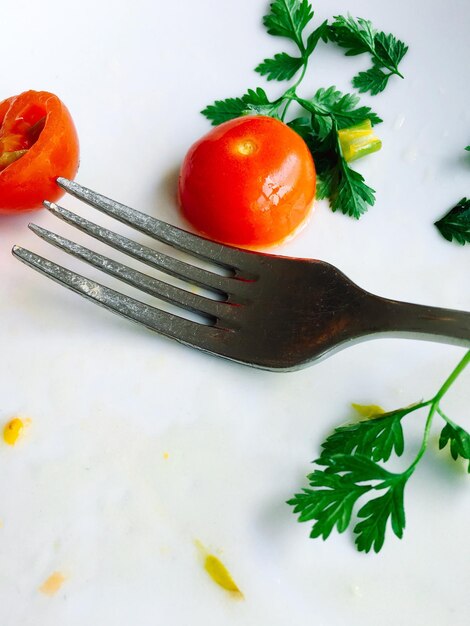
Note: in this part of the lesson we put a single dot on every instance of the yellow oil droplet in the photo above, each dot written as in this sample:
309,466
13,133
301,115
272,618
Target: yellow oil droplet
247,147
166,455
218,572
52,585
12,431
368,410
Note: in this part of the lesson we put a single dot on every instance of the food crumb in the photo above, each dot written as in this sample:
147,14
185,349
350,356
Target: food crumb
12,430
52,585
218,572
368,410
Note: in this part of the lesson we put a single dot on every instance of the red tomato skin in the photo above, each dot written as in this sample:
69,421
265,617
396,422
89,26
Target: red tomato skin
248,182
31,179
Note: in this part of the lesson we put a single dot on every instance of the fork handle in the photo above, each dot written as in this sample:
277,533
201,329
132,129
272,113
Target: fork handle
419,321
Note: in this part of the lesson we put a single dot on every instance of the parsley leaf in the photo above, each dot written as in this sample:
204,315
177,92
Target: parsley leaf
281,67
376,437
351,195
330,502
224,110
253,102
459,441
321,33
389,50
342,108
345,188
376,513
288,18
348,469
455,225
358,36
327,182
335,490
374,80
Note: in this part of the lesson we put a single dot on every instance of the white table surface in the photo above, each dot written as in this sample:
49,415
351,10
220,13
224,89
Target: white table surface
88,491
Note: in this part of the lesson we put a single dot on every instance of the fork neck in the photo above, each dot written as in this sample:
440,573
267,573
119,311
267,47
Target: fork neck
418,321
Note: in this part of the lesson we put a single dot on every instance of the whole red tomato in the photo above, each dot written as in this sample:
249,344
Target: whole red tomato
38,143
248,182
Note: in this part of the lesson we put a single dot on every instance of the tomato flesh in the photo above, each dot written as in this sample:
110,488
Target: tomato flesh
38,143
249,182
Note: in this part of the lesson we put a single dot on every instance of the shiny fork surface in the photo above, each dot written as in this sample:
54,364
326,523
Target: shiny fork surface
276,313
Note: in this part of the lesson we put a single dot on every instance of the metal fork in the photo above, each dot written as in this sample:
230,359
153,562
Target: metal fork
272,312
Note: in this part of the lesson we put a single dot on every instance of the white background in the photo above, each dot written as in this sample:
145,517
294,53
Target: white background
88,491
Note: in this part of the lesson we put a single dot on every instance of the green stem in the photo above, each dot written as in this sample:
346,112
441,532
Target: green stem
290,94
424,442
452,378
392,70
436,409
443,415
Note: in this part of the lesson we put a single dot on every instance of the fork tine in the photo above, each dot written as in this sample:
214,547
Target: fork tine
196,335
158,260
153,286
232,258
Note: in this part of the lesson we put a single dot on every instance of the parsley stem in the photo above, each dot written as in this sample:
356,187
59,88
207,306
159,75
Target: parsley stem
436,409
424,443
290,94
443,415
393,70
452,378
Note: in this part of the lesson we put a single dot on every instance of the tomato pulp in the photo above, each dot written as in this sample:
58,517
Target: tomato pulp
248,182
38,143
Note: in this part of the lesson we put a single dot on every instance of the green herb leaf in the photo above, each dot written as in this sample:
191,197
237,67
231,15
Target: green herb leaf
327,182
375,438
253,102
330,503
319,33
376,513
288,18
345,188
358,36
281,67
350,469
342,108
389,50
459,441
335,490
374,80
351,196
224,110
455,225
467,148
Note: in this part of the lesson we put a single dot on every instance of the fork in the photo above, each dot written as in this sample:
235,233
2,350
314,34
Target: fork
270,312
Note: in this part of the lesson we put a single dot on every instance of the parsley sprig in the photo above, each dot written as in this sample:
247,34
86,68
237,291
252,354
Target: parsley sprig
358,36
455,225
349,469
321,116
